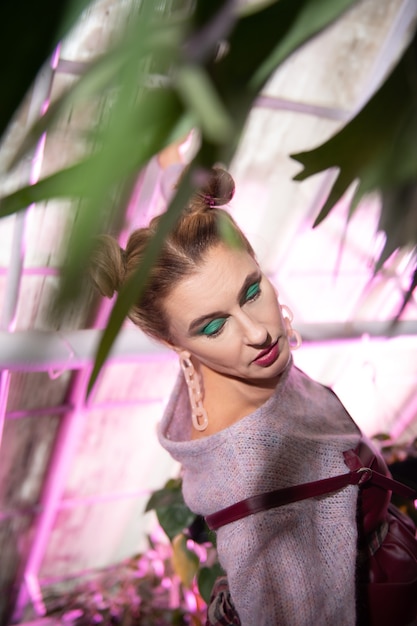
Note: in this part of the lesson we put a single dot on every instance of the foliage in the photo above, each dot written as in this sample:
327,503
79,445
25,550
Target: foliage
181,526
172,513
142,591
377,150
170,583
201,89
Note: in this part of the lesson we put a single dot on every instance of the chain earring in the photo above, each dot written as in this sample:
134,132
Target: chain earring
198,413
294,337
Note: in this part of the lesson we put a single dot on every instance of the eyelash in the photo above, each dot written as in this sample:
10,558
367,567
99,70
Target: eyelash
248,298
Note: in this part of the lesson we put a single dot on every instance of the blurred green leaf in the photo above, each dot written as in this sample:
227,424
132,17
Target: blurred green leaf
378,150
206,578
199,95
107,75
71,182
228,233
174,520
133,289
367,148
173,514
121,157
98,78
169,495
303,19
122,154
398,219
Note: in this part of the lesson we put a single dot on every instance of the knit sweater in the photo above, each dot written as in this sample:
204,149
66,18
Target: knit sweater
293,565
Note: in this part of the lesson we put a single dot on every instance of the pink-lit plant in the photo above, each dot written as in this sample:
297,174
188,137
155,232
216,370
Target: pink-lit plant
168,584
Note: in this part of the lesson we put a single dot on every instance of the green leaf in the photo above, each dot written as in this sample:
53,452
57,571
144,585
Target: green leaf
120,155
245,10
139,123
70,182
206,578
98,78
174,519
115,172
398,219
173,514
169,495
133,289
228,233
304,19
367,148
199,94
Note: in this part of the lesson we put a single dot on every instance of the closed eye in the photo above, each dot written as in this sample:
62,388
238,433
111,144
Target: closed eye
253,291
213,328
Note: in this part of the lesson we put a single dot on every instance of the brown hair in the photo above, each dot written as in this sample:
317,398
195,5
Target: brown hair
198,229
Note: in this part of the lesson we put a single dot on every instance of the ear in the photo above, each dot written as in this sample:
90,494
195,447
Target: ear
171,346
183,354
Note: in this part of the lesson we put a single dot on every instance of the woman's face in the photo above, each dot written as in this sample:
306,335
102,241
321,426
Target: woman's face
227,316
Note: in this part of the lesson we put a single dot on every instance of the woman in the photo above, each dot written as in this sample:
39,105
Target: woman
243,420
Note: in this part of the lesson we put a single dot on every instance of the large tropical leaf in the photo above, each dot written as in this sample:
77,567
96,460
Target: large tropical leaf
206,578
377,150
367,150
302,21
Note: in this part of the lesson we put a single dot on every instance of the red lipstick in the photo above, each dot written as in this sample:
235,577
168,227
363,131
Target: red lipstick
268,356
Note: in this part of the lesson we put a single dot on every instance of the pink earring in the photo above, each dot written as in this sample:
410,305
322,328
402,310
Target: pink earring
198,413
294,337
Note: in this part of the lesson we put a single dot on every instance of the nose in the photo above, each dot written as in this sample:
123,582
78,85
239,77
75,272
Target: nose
255,333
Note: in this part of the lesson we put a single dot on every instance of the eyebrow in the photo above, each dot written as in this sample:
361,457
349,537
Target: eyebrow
249,280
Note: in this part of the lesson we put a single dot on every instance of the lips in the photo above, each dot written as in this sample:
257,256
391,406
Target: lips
267,356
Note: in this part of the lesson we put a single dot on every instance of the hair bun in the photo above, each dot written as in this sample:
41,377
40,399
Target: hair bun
217,190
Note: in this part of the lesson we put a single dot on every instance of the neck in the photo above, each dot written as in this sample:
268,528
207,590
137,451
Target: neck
228,399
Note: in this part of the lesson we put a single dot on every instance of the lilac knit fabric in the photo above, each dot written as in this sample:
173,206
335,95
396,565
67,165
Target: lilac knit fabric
294,565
